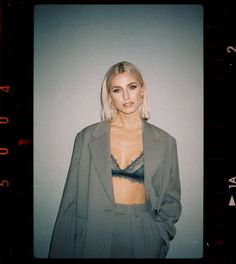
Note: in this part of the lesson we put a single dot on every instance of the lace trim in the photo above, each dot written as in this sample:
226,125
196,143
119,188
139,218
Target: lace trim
131,179
130,164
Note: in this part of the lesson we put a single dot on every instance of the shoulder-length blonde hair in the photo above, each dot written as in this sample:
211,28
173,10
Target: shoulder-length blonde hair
108,113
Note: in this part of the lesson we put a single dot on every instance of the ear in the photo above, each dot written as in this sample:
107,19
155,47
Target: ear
109,99
142,91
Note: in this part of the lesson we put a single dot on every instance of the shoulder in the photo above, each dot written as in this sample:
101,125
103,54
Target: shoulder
158,132
90,130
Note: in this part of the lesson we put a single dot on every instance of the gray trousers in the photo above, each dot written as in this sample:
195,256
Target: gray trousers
135,233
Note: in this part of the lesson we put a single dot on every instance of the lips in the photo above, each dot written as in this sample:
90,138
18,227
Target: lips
127,105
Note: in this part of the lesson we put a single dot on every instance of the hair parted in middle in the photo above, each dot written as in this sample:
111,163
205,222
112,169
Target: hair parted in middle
108,113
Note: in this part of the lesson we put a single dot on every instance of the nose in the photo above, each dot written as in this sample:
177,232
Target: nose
126,94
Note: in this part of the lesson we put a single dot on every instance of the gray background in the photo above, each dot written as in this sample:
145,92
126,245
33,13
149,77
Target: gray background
74,45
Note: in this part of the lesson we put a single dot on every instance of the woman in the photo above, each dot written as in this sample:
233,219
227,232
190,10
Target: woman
122,194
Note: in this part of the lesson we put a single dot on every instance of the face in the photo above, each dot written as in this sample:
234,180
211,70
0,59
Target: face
126,93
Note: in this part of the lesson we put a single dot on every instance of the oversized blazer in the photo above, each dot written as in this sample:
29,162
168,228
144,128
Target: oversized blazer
84,223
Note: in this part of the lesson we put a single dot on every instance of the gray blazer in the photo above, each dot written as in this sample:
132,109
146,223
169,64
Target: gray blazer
83,227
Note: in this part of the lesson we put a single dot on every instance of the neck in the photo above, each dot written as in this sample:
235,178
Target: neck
130,121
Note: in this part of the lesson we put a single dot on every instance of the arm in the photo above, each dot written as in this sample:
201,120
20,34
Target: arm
170,208
62,242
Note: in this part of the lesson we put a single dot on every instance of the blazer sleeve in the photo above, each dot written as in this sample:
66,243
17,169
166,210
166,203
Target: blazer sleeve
63,237
170,209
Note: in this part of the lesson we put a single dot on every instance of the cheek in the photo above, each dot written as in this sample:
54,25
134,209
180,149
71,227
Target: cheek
115,99
137,95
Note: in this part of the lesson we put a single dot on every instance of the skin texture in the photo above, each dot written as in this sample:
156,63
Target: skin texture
126,140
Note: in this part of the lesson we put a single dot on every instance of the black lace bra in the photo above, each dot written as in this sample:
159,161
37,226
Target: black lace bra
134,171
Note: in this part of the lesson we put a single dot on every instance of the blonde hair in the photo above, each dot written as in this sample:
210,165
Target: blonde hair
108,113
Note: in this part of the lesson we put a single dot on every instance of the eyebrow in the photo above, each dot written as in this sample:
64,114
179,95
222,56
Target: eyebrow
121,87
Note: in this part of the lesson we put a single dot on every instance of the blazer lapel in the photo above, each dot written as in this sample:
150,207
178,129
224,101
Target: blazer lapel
100,152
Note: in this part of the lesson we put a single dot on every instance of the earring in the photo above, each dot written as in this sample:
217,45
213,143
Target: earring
141,99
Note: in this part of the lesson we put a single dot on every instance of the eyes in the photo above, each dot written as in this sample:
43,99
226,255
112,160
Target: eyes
132,87
119,89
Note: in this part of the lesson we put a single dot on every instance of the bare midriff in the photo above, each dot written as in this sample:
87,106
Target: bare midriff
128,192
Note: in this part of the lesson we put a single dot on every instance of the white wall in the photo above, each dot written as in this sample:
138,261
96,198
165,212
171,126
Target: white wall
74,45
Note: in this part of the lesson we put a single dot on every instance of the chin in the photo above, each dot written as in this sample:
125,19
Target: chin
129,111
